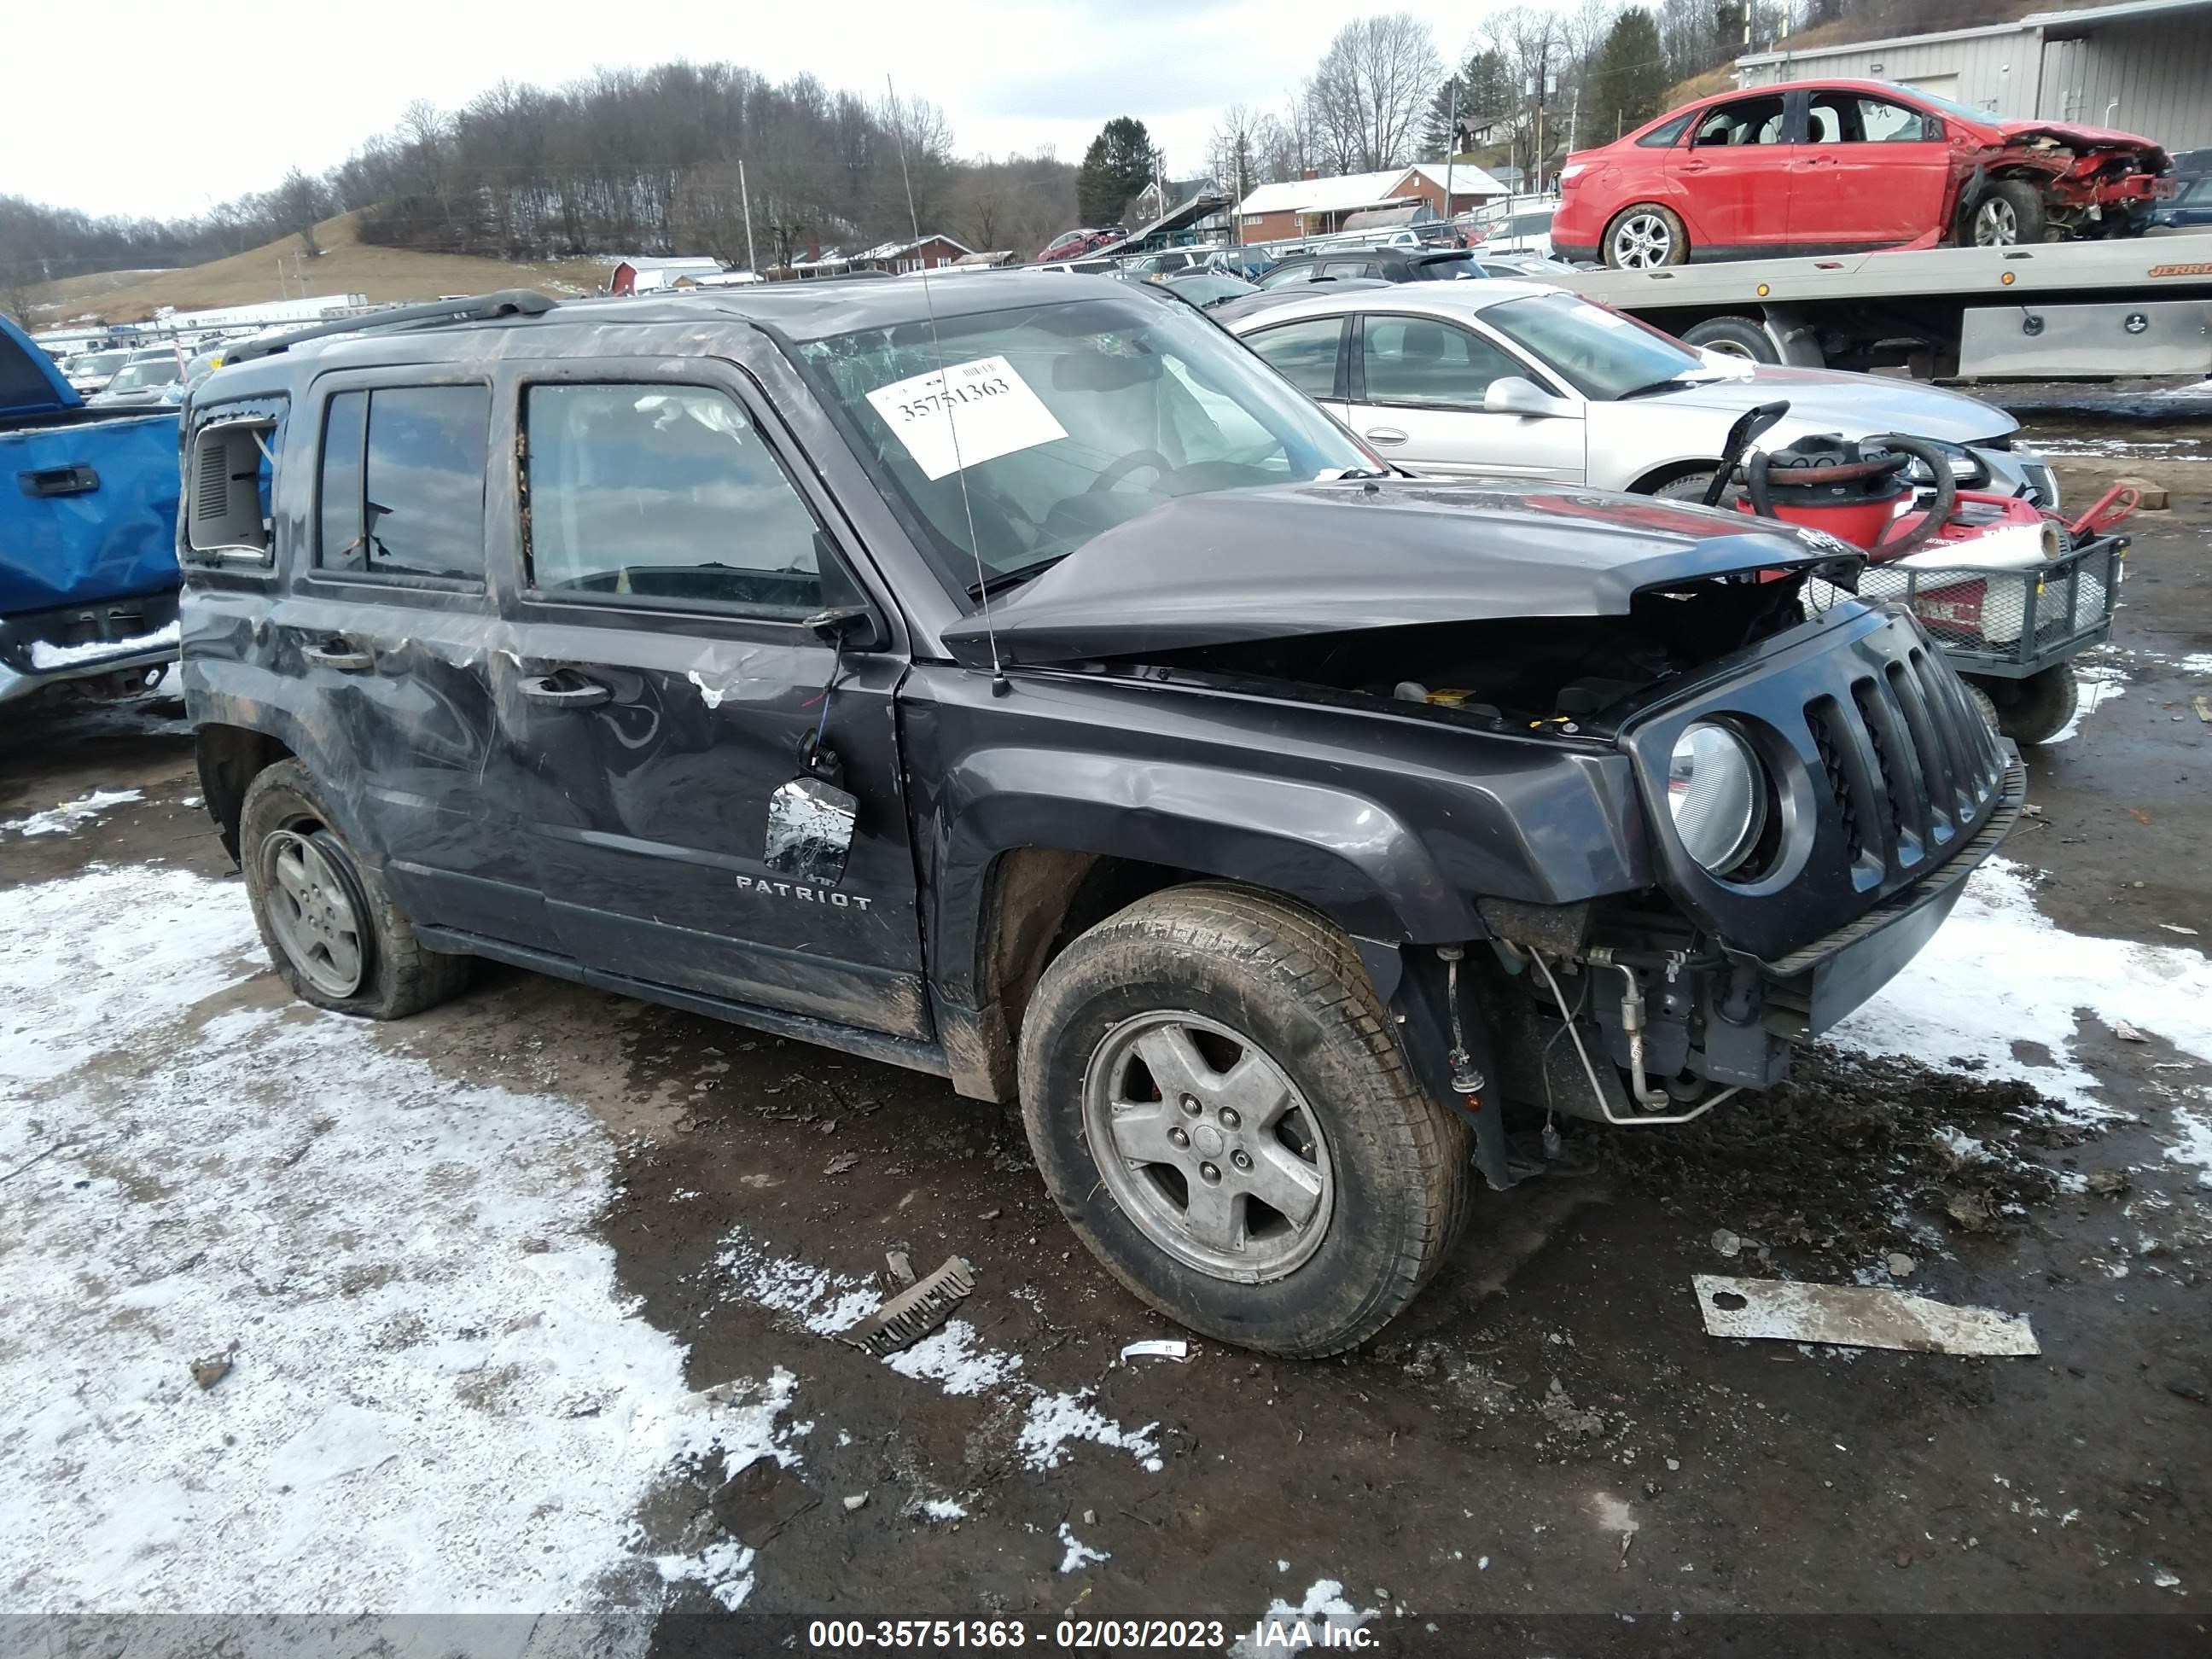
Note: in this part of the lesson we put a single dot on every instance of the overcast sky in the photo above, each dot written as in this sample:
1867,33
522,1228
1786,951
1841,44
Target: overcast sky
146,108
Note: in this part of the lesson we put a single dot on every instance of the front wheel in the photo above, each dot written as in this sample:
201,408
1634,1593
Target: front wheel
2038,708
1219,1104
2009,214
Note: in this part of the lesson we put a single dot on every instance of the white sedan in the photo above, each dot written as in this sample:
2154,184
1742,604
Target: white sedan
1505,378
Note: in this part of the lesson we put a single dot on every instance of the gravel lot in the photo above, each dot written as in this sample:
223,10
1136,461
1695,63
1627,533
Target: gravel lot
508,1294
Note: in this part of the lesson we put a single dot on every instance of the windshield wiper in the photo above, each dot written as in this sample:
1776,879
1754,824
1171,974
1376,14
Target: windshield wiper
999,581
1669,383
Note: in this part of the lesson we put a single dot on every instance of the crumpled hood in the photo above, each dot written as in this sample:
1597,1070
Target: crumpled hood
1856,406
1330,558
2078,137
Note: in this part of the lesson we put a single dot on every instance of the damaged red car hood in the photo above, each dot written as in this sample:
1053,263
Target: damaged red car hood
2078,137
1240,565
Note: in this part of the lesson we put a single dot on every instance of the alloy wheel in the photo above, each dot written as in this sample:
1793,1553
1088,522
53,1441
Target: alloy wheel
1995,224
1642,242
314,911
1208,1146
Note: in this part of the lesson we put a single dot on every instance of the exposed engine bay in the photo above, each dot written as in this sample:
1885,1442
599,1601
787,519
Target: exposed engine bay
1558,673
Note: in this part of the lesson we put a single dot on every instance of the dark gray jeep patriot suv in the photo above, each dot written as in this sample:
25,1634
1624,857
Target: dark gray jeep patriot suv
1012,678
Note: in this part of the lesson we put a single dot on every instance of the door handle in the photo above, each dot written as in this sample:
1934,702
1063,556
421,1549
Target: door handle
1692,167
1385,436
564,689
342,654
79,480
1818,161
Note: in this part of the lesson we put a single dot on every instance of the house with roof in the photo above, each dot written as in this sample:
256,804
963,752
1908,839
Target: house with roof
894,259
643,273
1315,206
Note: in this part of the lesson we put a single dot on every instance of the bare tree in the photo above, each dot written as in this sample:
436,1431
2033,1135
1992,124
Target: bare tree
299,203
1234,153
1373,88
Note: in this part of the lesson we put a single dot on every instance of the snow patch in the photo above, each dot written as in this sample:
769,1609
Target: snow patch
953,1356
1999,971
1077,1554
71,815
46,656
2195,1146
440,1398
1324,1619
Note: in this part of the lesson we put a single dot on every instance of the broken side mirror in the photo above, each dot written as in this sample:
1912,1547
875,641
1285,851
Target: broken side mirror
810,822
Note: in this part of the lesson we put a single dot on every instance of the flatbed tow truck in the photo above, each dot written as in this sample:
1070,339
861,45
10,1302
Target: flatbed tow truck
2054,311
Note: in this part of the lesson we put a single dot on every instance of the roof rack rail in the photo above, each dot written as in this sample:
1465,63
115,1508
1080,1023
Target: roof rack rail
476,309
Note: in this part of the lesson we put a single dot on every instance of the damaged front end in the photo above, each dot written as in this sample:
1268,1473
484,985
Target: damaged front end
1780,811
2092,183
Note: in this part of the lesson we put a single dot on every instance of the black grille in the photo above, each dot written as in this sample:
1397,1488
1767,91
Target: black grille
1909,761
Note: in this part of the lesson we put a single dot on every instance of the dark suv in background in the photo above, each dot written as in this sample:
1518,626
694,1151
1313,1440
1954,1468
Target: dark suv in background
1388,265
1017,681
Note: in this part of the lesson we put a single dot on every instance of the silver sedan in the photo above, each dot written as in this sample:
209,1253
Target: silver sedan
1504,378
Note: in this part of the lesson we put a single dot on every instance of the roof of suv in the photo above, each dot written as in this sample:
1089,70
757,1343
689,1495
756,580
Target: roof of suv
1440,299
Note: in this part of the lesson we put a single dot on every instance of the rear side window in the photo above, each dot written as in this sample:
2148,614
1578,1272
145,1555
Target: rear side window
403,482
1304,354
228,480
1663,136
663,495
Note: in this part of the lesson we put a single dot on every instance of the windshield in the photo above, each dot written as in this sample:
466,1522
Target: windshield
1604,354
1949,107
137,377
1064,420
97,363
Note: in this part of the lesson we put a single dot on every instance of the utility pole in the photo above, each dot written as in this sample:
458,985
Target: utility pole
745,197
1451,152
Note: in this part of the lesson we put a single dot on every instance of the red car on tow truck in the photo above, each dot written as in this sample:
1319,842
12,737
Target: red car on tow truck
1836,166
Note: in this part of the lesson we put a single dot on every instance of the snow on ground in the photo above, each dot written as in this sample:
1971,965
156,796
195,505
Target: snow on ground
438,1398
71,815
2100,683
46,656
952,1356
1999,972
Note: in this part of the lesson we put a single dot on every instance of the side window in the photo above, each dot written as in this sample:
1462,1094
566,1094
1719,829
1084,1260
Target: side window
666,495
228,477
1881,122
403,482
1304,354
1412,360
1664,137
1298,270
1743,121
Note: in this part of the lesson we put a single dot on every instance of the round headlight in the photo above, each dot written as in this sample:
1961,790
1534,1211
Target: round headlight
1718,792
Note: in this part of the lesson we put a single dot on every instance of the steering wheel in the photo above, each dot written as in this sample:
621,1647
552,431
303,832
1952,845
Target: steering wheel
1129,462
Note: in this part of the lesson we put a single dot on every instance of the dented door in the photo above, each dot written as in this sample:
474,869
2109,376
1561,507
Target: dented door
665,684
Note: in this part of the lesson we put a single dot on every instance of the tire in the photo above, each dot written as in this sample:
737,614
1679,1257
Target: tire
331,929
1644,237
2041,706
1736,336
1984,704
2009,214
1691,487
1208,979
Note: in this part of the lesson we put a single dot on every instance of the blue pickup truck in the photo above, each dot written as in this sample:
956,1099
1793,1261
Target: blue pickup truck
88,573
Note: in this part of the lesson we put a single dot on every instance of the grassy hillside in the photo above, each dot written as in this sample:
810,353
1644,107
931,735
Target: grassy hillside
347,265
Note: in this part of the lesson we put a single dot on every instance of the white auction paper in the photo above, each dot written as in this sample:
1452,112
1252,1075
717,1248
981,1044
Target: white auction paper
971,413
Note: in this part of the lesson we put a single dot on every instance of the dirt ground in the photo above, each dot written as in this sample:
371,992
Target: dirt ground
1549,1432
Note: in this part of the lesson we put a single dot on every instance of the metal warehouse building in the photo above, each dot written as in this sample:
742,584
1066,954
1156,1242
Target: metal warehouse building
2144,66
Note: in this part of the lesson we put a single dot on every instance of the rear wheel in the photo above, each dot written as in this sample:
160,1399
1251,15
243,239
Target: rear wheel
2040,706
331,929
1645,236
2009,213
1733,336
1984,704
1219,1104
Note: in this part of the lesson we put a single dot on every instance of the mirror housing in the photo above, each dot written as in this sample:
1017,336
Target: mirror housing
851,626
1515,395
